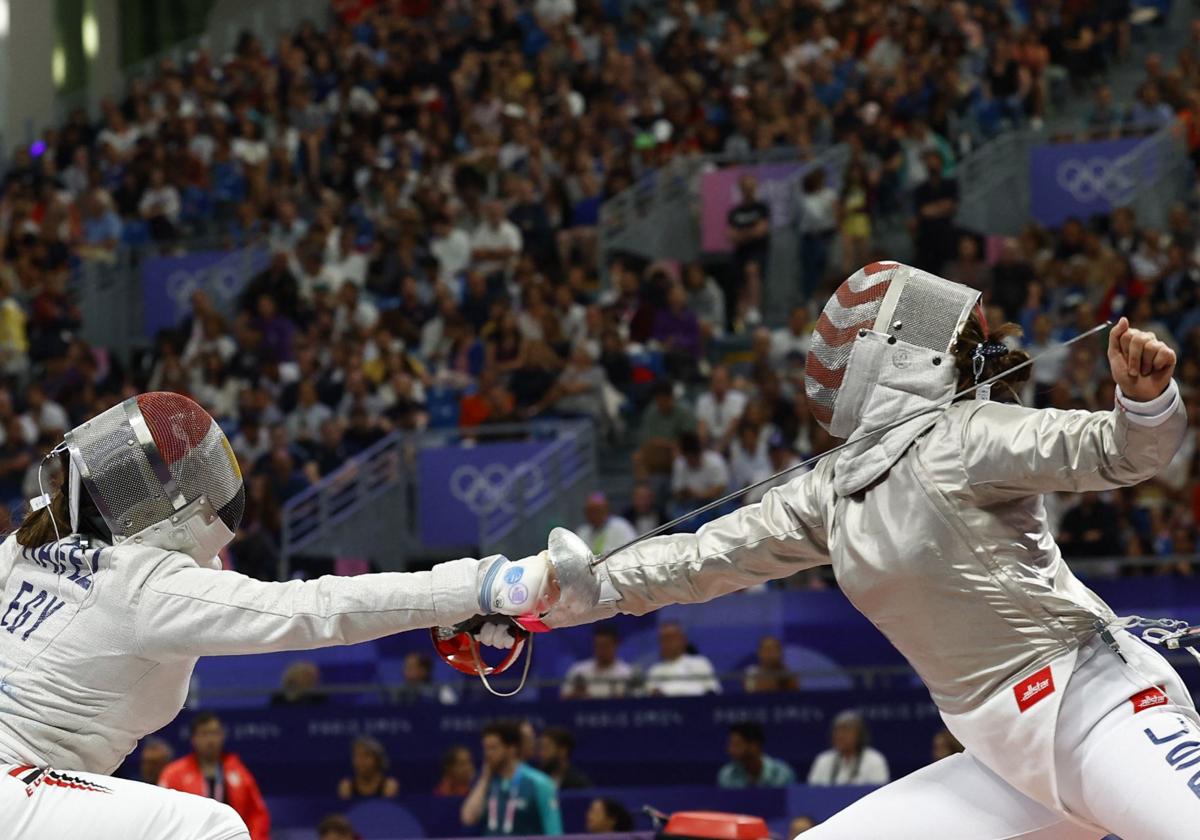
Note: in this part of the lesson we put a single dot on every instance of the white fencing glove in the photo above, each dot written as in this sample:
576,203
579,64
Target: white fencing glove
496,634
525,587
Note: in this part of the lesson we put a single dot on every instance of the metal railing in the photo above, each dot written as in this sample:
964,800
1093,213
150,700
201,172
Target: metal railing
993,184
544,491
346,491
994,180
555,481
659,217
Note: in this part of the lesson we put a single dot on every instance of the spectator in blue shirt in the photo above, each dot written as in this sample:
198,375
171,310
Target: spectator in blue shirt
749,766
511,799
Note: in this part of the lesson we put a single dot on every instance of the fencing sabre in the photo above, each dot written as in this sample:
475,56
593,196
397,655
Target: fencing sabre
459,648
674,523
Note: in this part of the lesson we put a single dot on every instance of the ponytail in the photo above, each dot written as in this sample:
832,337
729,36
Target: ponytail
38,529
971,336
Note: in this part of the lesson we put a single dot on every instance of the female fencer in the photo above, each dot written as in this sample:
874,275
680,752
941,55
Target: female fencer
112,589
937,533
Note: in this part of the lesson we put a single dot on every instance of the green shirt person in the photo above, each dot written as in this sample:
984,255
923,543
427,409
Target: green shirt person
749,766
510,799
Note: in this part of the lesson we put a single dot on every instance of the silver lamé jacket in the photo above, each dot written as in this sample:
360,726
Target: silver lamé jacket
936,530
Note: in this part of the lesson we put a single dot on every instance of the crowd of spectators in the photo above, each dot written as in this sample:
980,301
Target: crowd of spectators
426,190
514,792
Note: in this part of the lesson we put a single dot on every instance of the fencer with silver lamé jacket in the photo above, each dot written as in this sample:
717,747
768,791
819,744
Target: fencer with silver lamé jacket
936,530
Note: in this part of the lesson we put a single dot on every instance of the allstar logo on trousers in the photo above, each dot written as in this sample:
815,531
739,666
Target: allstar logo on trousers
1034,689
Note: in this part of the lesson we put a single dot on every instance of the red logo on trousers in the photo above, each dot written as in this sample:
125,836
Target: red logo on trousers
1148,699
1034,689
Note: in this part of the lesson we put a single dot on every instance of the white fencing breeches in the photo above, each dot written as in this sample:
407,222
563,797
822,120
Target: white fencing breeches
42,804
1127,762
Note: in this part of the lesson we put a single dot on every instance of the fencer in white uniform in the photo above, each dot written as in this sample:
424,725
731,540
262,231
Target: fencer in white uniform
936,531
112,591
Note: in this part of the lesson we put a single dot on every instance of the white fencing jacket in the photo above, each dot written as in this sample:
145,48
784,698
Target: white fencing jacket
97,645
936,530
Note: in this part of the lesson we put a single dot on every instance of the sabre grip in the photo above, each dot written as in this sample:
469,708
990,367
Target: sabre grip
475,623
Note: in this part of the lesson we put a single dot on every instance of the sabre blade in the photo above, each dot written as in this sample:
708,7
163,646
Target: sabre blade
667,526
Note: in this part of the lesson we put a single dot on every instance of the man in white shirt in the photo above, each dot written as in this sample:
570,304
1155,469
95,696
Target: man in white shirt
602,530
679,674
698,475
794,339
719,408
849,761
48,416
496,242
451,247
602,676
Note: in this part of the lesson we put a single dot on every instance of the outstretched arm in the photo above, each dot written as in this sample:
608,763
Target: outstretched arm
775,538
184,610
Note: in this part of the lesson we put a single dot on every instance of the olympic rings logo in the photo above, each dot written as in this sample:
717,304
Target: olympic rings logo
1093,178
494,487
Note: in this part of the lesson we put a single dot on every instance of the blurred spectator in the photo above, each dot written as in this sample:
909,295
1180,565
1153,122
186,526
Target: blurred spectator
528,751
679,672
644,512
718,409
301,686
698,475
855,221
517,799
608,816
336,827
556,745
458,772
154,756
1148,111
495,243
749,766
579,389
602,530
748,458
968,267
369,761
750,232
850,760
663,421
677,329
782,463
799,825
770,673
210,771
418,682
1104,118
1091,528
794,339
705,299
944,745
1051,356
818,211
604,674
936,202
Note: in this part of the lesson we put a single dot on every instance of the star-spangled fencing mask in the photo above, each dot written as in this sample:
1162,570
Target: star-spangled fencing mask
161,473
905,303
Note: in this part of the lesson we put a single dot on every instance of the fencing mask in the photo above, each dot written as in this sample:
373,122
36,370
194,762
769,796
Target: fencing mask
901,302
161,473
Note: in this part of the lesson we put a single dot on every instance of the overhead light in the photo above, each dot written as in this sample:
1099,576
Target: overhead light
89,34
58,65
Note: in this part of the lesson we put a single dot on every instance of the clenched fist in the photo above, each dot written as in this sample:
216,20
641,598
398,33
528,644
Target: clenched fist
1141,364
